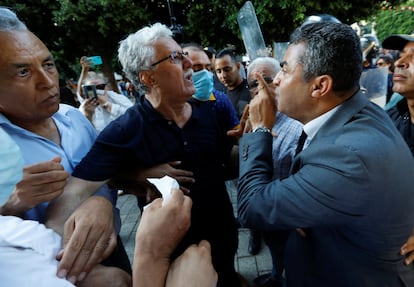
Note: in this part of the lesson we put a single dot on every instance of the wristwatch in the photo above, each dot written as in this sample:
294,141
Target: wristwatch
261,129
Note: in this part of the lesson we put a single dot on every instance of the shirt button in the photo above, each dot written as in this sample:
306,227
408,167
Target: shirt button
185,143
170,123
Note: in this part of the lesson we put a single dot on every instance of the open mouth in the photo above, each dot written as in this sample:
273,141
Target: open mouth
188,75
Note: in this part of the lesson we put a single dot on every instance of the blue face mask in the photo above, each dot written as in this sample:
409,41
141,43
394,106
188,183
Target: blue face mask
203,82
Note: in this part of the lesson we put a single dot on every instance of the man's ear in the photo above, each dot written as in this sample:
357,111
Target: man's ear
146,78
321,86
238,65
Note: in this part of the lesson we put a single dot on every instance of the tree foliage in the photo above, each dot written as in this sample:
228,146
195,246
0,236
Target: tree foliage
395,20
96,27
73,28
215,22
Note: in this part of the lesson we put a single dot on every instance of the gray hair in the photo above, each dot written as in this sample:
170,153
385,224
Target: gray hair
268,61
92,77
332,49
136,52
9,20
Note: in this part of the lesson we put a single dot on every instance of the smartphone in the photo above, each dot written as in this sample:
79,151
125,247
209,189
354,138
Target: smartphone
89,91
94,60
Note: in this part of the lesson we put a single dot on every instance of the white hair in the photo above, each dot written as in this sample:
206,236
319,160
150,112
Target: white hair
271,62
136,52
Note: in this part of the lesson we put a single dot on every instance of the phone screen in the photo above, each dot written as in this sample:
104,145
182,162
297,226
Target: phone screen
95,60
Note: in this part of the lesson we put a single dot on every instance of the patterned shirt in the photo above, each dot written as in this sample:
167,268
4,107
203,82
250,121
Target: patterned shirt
284,144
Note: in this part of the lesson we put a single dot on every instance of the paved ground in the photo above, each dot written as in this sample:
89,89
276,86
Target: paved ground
247,265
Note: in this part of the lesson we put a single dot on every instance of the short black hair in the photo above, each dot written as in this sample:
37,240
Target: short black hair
226,51
210,51
388,59
332,49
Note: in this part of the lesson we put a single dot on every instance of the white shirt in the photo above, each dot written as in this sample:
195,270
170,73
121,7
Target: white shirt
101,117
27,248
27,254
312,127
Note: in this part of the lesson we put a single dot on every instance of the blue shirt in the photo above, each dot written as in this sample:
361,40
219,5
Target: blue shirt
225,109
11,166
225,113
77,136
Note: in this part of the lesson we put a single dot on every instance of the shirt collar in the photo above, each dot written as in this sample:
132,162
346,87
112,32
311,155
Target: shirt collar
312,127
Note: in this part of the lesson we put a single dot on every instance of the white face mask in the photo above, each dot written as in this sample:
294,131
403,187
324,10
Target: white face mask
203,82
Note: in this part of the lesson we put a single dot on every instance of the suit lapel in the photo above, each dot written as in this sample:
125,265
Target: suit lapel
344,114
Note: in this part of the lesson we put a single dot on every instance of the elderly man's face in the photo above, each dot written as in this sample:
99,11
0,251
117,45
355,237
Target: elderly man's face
172,77
268,73
29,81
404,72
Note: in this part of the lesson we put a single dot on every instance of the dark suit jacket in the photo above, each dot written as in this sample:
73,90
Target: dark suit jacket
352,189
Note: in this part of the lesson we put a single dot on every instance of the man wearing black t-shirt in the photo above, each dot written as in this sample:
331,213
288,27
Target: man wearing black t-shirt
228,72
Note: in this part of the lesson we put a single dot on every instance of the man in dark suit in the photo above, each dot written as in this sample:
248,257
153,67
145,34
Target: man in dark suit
350,189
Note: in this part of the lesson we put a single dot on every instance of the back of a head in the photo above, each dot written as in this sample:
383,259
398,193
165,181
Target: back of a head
270,62
330,49
9,21
136,52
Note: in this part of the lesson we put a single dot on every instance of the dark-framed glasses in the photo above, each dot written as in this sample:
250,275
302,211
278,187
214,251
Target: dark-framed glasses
100,86
174,56
254,84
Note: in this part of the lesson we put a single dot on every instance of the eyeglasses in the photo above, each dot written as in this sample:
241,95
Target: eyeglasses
254,84
100,86
174,56
380,64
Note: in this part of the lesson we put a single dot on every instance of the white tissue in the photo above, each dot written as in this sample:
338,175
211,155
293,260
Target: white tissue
164,185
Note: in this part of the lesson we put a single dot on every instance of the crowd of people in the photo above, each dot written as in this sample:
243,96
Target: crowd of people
323,174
